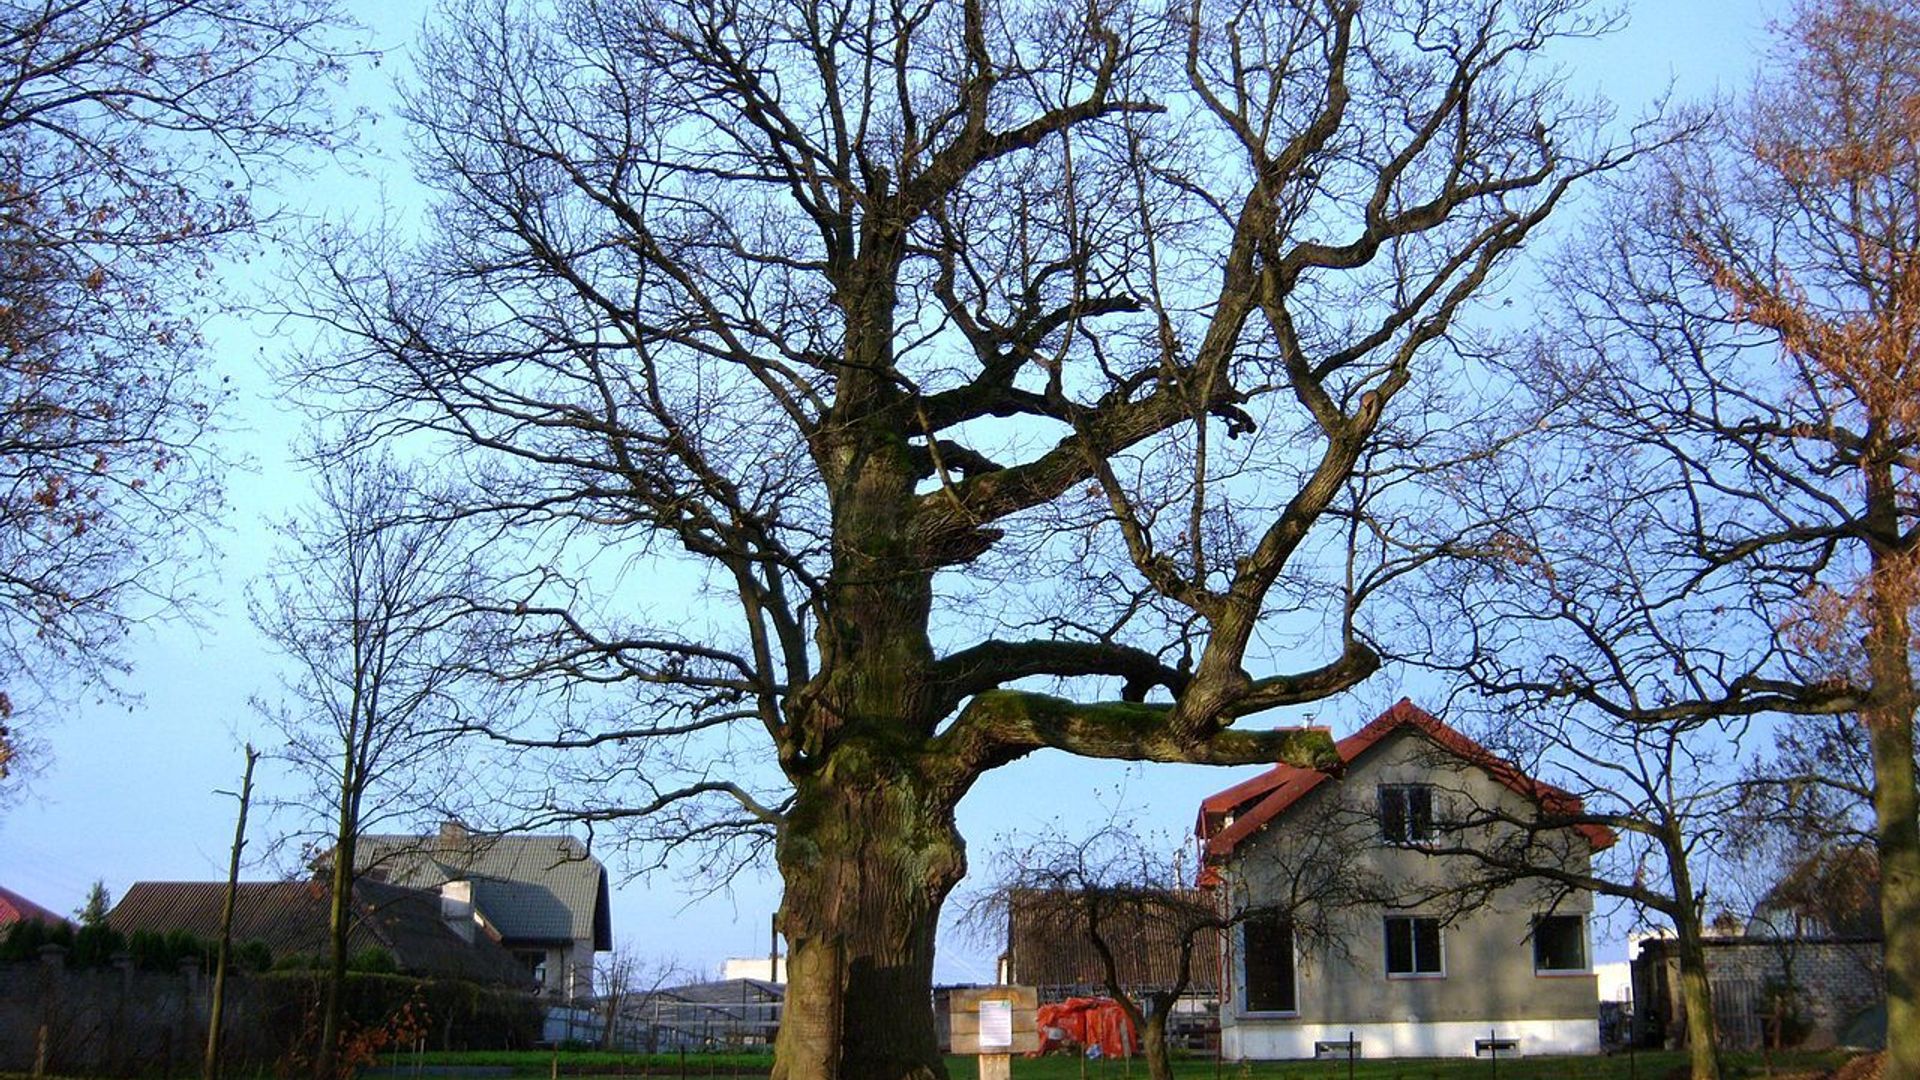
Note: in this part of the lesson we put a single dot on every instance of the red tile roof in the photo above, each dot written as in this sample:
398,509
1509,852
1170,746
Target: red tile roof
1232,815
16,908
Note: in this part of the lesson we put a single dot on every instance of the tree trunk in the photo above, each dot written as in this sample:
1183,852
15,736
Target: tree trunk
1894,807
1889,720
1696,1002
1150,1025
1153,1042
339,926
868,854
210,1068
1696,991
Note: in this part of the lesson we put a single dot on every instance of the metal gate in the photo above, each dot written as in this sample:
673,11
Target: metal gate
1736,1013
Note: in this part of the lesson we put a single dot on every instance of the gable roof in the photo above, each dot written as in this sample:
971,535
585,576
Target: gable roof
1048,944
1230,816
291,918
1836,887
545,889
16,908
732,992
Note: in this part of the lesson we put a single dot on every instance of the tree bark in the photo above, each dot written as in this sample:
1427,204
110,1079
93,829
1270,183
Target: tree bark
1153,1042
1894,807
1696,1003
1696,990
868,855
339,926
1889,720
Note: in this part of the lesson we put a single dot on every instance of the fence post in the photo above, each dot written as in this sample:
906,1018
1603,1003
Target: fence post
53,993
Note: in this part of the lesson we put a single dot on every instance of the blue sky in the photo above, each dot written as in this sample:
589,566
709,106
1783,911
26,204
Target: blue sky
130,791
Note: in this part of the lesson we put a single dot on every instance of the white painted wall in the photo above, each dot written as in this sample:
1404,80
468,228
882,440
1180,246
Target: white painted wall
754,967
1287,1039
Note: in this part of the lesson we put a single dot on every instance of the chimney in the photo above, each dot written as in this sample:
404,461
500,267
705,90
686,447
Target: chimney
452,832
456,907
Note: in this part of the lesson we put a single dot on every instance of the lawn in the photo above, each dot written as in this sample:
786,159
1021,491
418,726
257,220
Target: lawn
1651,1065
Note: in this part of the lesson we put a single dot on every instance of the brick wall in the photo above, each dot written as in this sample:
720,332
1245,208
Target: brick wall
1834,980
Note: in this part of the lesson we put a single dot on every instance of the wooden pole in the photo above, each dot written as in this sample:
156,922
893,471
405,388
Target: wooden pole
210,1068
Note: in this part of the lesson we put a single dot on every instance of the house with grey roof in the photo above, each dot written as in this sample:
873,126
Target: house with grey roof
291,918
543,897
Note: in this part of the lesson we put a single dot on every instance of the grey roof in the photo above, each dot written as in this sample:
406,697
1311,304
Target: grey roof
726,992
291,918
533,889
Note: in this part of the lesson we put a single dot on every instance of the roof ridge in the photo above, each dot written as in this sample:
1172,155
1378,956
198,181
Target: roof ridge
1281,790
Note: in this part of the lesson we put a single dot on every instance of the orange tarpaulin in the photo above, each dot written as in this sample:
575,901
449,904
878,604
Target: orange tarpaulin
1087,1022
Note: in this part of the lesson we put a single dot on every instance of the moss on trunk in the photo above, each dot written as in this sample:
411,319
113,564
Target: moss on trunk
868,856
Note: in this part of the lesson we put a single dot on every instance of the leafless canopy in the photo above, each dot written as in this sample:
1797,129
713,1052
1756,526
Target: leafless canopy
131,136
1056,327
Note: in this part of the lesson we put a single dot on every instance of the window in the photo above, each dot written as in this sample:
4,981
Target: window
1413,946
1560,943
535,961
1269,964
1406,813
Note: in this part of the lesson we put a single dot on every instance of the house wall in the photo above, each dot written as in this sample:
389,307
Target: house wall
1489,984
569,974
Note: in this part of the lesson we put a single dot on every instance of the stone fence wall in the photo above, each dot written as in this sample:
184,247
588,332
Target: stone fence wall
124,1022
112,1022
1831,982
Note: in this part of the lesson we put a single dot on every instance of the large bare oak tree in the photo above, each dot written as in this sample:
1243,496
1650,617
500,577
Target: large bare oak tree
967,346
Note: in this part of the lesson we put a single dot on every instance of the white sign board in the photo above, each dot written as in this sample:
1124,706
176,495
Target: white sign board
996,1025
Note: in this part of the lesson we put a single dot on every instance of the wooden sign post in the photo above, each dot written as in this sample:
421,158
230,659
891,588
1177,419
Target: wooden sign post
994,1023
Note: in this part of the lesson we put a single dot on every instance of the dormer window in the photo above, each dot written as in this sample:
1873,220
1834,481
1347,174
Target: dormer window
1406,813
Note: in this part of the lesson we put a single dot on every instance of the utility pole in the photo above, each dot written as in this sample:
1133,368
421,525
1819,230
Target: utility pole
210,1069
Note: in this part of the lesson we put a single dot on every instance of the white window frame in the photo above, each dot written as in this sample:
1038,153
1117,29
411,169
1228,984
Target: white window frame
1406,839
1586,945
1386,952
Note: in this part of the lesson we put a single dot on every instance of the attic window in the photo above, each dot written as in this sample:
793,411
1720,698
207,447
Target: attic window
1406,813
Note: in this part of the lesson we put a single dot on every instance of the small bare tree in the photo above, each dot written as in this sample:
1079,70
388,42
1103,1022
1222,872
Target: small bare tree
625,977
365,603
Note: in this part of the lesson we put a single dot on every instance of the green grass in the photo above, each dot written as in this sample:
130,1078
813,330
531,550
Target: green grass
1644,1066
579,1063
1647,1065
